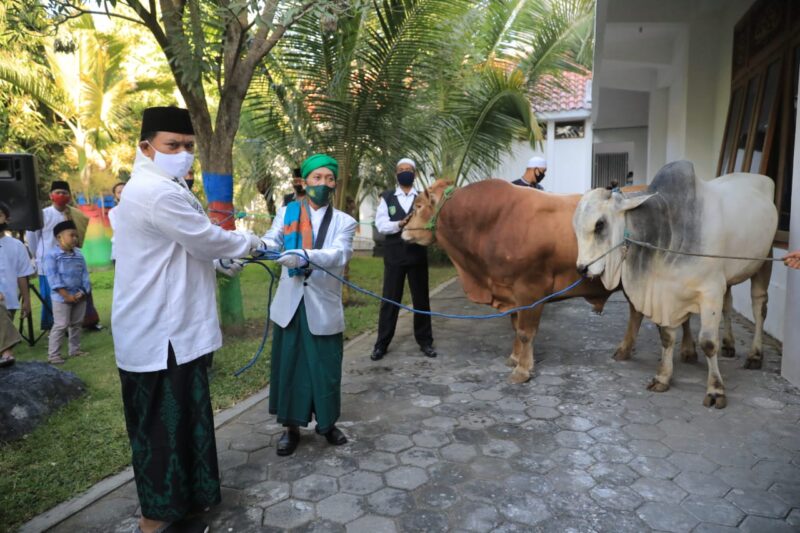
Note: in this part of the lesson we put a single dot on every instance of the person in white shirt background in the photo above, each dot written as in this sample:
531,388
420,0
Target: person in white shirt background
15,267
165,324
402,260
42,241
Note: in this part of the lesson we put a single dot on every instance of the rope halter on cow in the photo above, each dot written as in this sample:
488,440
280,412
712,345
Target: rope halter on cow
626,240
431,225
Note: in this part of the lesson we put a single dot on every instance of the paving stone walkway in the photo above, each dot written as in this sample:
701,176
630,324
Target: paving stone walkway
448,445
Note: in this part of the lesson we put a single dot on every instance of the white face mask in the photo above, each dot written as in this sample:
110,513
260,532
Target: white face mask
176,165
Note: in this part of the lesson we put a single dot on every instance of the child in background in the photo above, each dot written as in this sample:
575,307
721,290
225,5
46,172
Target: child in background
15,267
68,276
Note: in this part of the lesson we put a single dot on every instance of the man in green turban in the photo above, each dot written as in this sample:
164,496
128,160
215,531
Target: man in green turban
306,366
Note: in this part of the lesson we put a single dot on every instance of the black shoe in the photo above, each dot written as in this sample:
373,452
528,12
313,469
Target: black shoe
288,442
377,354
94,327
335,437
428,351
187,525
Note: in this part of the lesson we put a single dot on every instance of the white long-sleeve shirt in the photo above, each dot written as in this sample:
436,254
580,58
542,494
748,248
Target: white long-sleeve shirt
42,240
165,285
382,222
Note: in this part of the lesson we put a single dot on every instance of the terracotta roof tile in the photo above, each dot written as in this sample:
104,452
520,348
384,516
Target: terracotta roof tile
564,93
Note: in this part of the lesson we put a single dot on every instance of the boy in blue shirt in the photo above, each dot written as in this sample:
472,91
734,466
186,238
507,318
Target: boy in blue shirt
68,276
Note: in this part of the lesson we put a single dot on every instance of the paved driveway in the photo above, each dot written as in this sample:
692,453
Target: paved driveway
448,445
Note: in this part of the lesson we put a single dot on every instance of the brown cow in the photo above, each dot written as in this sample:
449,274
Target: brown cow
512,246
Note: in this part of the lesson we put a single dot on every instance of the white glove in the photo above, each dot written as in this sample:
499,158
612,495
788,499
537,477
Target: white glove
293,259
228,267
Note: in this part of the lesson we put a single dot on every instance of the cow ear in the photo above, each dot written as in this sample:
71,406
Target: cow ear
626,203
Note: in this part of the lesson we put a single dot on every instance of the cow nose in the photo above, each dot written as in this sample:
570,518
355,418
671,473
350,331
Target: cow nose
583,269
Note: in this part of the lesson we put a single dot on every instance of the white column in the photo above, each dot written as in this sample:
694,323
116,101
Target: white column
790,365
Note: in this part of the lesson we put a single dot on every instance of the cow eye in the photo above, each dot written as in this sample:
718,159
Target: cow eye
599,225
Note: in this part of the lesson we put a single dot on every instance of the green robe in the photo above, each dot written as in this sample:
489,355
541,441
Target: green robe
306,374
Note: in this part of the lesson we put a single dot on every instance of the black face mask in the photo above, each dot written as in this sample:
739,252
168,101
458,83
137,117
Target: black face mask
3,227
298,189
406,179
189,183
540,177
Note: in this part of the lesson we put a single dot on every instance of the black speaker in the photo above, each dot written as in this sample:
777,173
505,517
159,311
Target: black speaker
19,188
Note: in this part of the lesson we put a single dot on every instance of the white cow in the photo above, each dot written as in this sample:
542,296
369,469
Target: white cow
732,215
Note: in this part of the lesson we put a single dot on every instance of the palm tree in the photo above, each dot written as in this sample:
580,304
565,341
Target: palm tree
348,90
87,88
446,84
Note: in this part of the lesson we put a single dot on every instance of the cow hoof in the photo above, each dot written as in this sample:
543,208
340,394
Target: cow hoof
728,351
718,400
511,362
657,386
622,354
752,364
518,376
689,356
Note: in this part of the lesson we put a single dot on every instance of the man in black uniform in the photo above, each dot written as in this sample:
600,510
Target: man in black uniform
402,259
299,192
534,173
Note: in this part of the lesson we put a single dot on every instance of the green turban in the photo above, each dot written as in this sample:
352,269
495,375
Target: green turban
318,161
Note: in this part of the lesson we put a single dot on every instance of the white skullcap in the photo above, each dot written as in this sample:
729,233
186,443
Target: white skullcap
537,162
406,161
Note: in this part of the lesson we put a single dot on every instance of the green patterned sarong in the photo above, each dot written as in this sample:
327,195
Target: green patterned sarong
171,430
306,374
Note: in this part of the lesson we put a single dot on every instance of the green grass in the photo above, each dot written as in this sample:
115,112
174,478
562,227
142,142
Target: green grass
85,441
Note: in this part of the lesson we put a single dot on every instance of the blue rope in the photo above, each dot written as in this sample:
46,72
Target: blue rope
266,329
274,255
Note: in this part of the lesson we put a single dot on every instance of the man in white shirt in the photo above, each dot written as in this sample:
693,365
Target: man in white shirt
534,173
15,267
164,318
401,260
42,241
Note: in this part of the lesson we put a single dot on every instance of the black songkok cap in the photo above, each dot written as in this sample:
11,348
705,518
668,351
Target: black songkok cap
297,173
171,119
61,226
5,209
62,185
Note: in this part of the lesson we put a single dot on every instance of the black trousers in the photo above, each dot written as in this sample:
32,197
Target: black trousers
394,277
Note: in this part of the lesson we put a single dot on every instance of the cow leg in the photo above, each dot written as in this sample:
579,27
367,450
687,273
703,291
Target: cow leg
513,359
527,326
688,347
709,342
660,383
759,287
625,348
728,346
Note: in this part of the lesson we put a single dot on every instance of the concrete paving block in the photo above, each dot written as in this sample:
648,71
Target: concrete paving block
360,482
713,510
289,514
390,502
340,508
758,502
314,488
667,517
371,524
659,490
406,477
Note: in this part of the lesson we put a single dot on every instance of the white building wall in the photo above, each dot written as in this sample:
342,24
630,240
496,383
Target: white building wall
569,162
790,364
